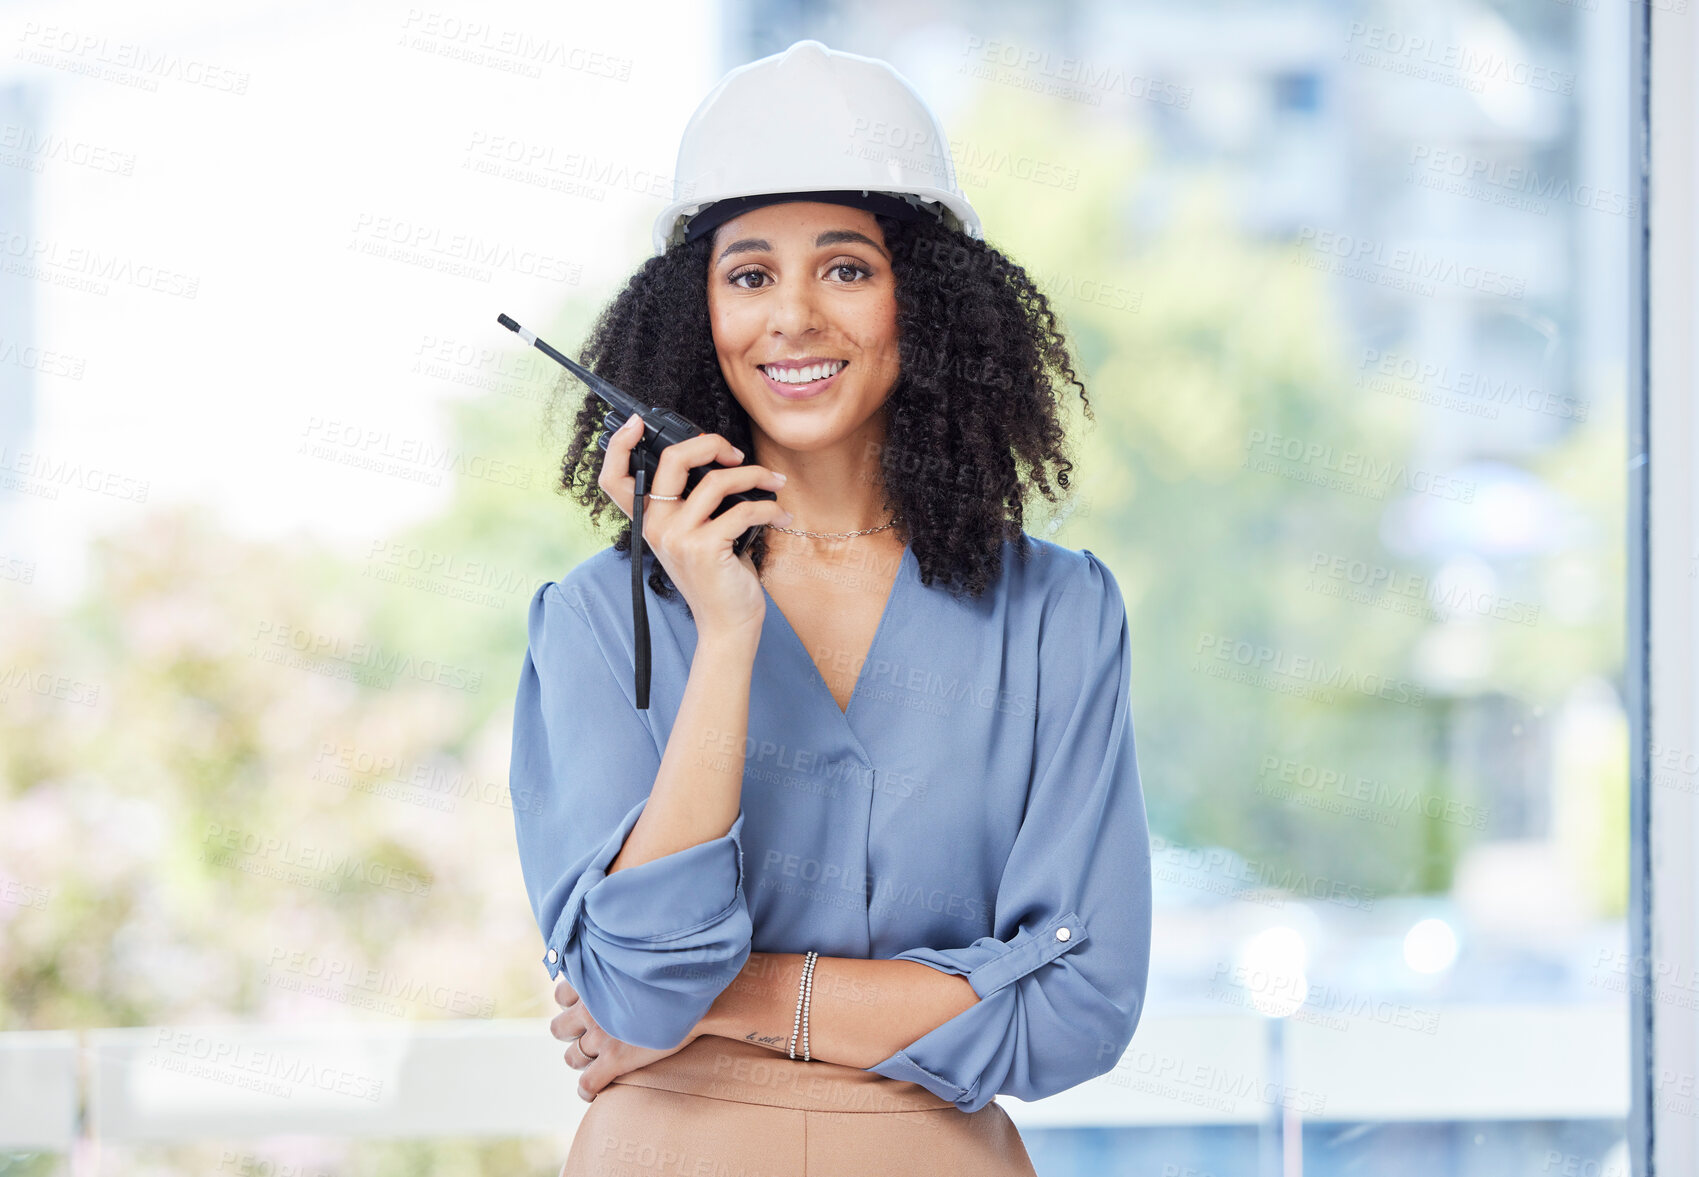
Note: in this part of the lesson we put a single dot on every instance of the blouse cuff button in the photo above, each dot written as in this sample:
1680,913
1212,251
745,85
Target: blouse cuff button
1063,933
554,956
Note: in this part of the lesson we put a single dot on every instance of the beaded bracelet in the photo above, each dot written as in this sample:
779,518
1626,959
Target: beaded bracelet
804,991
807,1000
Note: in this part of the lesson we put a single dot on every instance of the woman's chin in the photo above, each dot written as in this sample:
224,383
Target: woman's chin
800,431
804,441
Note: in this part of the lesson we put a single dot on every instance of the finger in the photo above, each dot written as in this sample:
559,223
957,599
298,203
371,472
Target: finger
670,479
615,477
740,518
565,994
678,459
593,1078
717,484
566,1025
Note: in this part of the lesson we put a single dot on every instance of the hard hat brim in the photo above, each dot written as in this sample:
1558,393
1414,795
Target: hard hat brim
670,225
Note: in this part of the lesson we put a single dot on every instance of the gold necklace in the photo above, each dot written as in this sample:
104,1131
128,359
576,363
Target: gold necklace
833,534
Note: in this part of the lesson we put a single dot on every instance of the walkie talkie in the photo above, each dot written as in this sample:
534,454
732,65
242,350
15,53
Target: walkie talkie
661,427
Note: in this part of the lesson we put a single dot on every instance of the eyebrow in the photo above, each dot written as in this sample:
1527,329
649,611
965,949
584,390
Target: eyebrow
829,237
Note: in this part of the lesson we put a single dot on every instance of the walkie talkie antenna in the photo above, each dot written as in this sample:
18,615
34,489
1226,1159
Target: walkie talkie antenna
617,397
627,405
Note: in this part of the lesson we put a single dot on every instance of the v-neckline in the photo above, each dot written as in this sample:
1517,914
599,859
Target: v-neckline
867,659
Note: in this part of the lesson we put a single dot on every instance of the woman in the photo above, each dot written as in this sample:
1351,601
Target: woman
876,852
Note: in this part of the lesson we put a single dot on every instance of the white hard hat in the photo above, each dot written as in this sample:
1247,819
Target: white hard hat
813,120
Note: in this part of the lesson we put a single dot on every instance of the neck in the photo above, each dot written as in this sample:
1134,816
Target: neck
837,489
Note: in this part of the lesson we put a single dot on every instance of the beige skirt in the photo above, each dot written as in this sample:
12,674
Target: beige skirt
722,1107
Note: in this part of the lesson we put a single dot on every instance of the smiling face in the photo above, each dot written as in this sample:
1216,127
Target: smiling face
803,306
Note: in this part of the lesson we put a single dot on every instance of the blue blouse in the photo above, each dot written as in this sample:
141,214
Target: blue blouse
976,808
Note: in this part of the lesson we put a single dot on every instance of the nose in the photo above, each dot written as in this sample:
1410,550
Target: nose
793,309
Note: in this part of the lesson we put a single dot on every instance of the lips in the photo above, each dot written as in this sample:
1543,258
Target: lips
815,367
801,391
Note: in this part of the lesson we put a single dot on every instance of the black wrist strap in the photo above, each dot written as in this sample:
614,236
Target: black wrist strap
639,604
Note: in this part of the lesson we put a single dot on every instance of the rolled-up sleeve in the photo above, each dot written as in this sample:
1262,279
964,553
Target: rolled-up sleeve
650,947
1061,986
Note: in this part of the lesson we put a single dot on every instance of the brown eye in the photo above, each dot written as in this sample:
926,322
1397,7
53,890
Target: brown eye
737,278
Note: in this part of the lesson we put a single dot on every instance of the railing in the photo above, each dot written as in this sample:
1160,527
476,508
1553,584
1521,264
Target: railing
506,1078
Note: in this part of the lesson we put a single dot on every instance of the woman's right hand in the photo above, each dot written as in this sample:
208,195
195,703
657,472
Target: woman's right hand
724,590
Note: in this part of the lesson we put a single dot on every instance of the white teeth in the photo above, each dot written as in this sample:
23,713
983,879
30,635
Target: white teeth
804,375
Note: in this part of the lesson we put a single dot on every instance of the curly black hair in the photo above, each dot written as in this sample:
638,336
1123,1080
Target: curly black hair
973,422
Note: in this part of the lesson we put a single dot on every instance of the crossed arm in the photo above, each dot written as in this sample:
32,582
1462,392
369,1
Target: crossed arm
860,1012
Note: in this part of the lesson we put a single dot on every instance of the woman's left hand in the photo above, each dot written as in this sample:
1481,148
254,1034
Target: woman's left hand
592,1050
